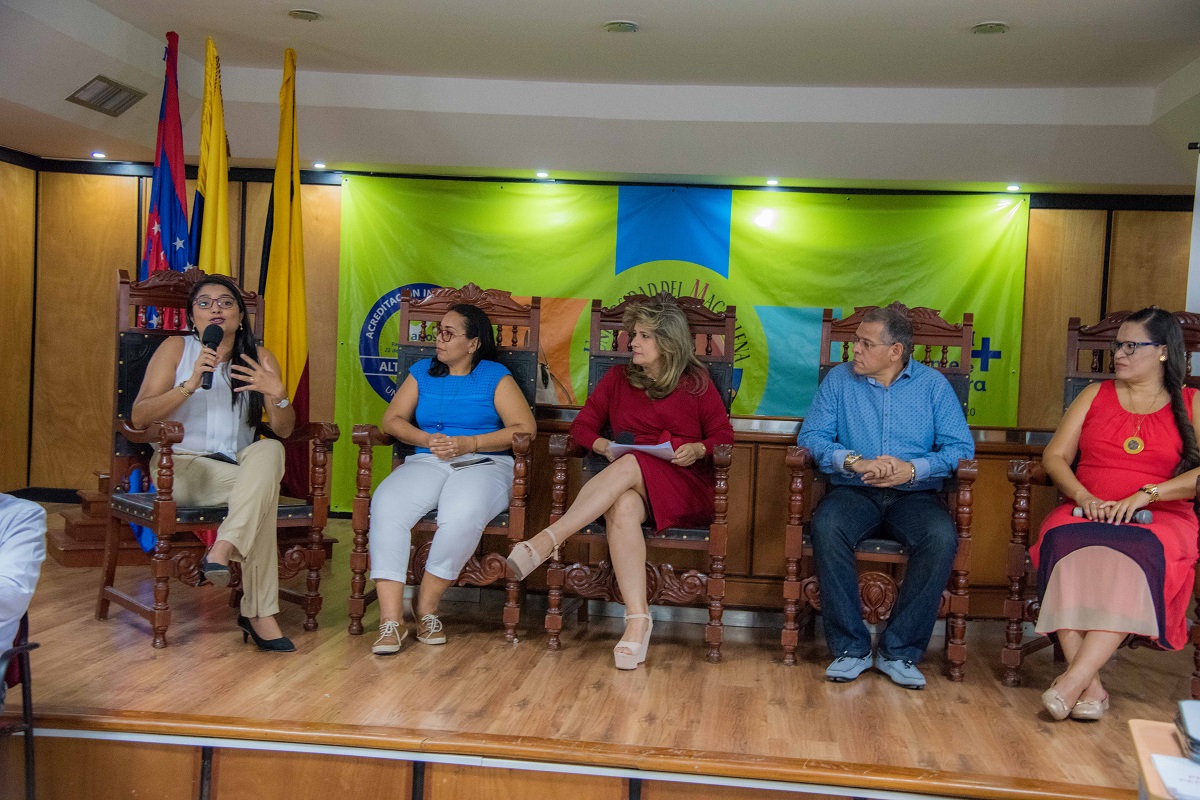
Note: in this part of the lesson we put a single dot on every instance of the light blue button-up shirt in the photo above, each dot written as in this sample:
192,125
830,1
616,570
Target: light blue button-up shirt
917,418
22,550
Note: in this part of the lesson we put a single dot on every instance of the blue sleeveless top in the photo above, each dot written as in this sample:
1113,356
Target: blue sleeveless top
458,405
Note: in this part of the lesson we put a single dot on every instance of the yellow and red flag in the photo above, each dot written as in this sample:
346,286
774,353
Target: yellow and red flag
210,211
281,281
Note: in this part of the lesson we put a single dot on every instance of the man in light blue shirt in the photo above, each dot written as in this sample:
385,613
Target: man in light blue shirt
22,550
886,430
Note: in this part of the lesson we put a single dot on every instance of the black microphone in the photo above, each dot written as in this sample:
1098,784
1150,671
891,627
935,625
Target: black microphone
211,337
1143,516
624,437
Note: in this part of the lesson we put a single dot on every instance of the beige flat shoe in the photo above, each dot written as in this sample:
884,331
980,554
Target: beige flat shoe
524,558
1054,702
1090,709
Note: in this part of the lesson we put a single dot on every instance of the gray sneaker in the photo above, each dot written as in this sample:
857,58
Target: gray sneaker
846,668
902,673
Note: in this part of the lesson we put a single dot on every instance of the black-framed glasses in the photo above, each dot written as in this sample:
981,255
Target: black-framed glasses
224,303
1129,348
867,344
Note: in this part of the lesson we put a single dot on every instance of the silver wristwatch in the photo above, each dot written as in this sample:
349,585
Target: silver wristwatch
284,403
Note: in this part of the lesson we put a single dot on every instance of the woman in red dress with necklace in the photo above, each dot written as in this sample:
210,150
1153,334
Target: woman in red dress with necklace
1103,577
664,394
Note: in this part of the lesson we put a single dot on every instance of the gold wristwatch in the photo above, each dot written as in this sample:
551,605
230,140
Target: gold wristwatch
1152,490
850,461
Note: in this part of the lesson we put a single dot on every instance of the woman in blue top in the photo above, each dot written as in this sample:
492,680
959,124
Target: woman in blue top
459,408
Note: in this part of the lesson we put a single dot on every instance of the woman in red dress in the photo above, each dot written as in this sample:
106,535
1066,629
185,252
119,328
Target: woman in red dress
1101,576
663,395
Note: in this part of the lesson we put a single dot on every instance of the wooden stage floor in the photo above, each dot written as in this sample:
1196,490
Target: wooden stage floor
748,718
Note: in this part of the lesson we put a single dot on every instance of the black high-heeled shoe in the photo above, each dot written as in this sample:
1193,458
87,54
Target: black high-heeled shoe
280,645
216,574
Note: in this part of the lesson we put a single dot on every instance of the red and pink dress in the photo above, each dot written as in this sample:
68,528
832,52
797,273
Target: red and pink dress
1130,578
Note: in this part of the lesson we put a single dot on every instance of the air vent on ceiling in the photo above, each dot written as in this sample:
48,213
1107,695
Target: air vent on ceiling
106,96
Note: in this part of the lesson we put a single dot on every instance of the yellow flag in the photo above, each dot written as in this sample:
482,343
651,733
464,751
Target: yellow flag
285,315
210,211
282,281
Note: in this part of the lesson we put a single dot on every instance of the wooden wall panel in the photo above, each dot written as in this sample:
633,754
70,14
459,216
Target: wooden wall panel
770,510
991,525
322,258
18,198
256,774
1064,274
1148,259
453,781
87,230
69,769
322,206
670,790
258,197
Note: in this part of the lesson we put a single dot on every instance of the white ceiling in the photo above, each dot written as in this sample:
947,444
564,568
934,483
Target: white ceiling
1079,95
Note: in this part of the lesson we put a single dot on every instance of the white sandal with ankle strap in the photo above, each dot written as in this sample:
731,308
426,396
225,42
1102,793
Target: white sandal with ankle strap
524,559
638,650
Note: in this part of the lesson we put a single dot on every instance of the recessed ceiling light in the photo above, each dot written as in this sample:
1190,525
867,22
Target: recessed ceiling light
318,165
1012,187
98,154
990,27
543,174
621,26
305,14
772,182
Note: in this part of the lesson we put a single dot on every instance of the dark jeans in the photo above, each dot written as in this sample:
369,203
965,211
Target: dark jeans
920,522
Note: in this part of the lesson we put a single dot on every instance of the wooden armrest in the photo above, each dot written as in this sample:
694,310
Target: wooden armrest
722,456
521,443
562,446
326,432
163,434
800,458
968,470
1026,472
371,436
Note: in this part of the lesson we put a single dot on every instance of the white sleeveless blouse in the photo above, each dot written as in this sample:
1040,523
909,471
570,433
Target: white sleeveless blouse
211,422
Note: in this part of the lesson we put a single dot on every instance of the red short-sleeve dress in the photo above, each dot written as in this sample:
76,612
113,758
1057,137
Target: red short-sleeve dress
1130,578
678,497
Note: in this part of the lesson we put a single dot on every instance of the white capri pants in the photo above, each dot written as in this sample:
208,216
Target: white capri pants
466,500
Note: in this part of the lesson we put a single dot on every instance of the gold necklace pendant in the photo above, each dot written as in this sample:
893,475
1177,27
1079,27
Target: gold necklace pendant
1134,445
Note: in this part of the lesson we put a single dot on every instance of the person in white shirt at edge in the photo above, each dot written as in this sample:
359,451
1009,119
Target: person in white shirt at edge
219,462
22,550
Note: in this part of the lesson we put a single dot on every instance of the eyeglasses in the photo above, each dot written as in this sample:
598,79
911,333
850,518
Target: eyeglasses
223,303
867,345
447,335
1129,348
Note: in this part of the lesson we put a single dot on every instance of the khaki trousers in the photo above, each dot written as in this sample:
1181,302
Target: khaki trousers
250,489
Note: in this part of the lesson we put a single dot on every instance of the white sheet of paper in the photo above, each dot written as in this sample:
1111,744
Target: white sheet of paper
663,451
1181,776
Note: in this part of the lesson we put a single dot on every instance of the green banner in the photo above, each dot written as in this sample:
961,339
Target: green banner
779,257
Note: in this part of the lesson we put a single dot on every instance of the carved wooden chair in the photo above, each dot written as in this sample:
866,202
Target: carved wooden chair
1089,359
588,581
14,669
946,348
517,340
176,554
